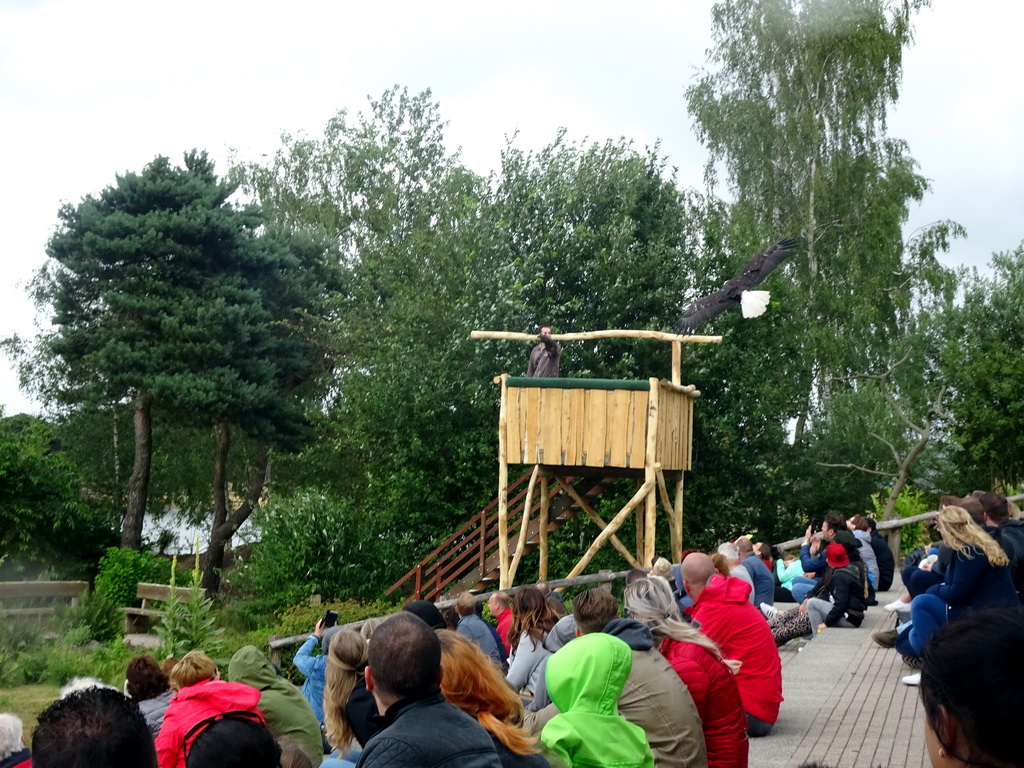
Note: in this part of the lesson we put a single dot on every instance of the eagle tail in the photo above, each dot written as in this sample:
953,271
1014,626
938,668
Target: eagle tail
754,303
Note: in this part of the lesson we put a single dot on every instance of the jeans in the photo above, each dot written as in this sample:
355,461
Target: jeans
917,581
800,586
927,614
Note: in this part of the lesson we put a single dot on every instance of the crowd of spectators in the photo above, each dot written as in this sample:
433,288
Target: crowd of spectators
679,674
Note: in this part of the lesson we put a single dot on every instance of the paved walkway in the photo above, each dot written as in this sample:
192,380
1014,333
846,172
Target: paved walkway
845,706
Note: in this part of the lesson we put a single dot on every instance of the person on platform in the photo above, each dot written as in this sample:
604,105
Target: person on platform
545,357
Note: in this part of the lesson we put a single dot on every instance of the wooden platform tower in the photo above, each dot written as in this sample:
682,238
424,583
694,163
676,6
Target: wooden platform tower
640,429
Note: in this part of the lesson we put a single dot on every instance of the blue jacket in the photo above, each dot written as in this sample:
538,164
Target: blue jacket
764,584
970,582
479,631
315,670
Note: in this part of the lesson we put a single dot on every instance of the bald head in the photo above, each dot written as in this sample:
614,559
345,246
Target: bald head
696,570
744,545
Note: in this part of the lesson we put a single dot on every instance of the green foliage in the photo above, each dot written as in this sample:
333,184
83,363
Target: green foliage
981,355
189,624
45,521
96,617
315,543
122,569
910,502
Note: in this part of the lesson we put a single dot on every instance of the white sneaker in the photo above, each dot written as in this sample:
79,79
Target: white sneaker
914,679
769,611
897,606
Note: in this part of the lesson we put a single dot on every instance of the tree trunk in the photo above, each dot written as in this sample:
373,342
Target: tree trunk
138,483
215,551
224,527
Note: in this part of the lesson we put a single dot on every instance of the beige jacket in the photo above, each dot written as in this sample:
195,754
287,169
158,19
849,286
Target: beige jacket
655,699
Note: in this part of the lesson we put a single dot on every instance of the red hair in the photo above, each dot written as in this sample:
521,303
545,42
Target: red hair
473,684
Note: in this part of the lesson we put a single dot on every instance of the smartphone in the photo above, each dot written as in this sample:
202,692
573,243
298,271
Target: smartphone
330,619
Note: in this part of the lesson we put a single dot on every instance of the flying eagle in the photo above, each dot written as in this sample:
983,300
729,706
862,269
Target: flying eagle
738,290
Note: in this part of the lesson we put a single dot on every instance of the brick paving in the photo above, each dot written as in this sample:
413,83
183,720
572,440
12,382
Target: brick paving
845,706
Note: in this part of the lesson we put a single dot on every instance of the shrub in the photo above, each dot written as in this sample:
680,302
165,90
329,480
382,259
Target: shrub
121,570
311,543
96,617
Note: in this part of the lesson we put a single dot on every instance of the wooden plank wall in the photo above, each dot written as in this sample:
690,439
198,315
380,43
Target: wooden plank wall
675,414
595,427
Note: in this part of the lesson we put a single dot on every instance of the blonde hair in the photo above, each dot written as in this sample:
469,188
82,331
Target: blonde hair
194,667
650,602
961,533
662,568
346,663
474,685
720,563
369,626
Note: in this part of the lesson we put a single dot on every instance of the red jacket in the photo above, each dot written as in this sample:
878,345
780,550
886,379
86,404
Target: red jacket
504,623
725,614
194,703
713,688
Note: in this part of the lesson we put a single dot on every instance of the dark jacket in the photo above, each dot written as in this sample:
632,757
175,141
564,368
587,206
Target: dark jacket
971,582
886,562
764,584
426,731
510,759
818,565
1010,536
20,759
362,712
846,588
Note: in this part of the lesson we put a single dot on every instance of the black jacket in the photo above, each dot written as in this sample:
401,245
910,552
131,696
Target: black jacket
1010,536
846,587
426,731
886,562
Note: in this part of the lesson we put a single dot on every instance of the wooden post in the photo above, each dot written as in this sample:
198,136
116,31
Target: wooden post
649,474
677,542
524,528
640,519
582,504
542,569
677,359
275,653
503,485
666,502
613,526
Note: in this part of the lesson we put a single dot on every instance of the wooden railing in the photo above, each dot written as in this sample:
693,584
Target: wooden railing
471,549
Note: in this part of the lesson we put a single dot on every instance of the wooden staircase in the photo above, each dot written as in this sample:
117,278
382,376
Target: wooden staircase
469,559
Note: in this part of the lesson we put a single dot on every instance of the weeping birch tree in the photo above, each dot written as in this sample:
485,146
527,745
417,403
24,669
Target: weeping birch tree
792,107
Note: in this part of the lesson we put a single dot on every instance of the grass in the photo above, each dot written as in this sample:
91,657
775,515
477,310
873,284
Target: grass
27,701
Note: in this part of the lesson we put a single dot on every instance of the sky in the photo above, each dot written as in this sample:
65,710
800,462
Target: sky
92,89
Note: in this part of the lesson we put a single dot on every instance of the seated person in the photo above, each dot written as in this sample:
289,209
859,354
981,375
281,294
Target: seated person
972,700
722,611
93,728
13,752
585,680
199,694
148,687
471,625
234,740
288,714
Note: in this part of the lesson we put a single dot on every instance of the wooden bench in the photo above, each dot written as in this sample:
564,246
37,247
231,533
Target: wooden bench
137,620
42,597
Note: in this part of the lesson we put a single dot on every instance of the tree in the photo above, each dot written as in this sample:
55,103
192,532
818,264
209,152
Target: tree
166,294
982,359
128,282
793,107
45,520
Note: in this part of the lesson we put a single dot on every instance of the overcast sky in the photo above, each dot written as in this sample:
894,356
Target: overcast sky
90,89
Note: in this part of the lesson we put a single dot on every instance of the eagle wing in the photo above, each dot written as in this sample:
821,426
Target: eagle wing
752,275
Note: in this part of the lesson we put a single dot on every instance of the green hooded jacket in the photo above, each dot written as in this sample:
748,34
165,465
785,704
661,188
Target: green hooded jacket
585,679
288,714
